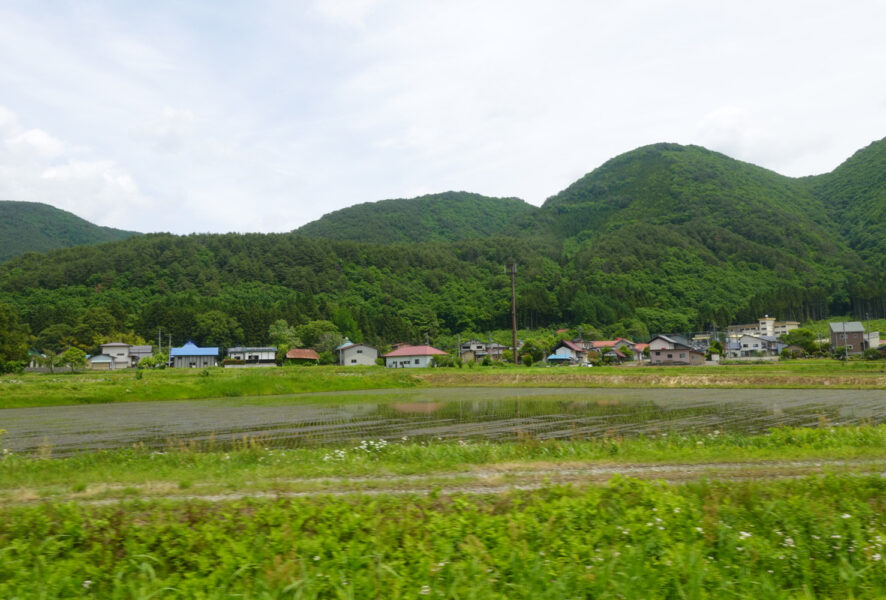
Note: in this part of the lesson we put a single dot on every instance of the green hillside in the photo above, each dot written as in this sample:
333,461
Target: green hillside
854,195
446,217
669,226
665,238
36,227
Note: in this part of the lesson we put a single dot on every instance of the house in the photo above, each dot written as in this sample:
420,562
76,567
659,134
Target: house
405,356
617,346
126,355
759,345
251,356
472,350
302,356
765,325
35,360
577,354
119,351
849,335
193,357
477,350
351,354
673,350
136,353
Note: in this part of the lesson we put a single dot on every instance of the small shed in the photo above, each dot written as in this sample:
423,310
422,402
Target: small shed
302,356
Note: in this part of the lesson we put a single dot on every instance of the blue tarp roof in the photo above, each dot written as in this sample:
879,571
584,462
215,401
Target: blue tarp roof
559,357
191,349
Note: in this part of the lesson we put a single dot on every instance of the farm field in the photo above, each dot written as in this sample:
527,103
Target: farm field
390,484
40,389
433,414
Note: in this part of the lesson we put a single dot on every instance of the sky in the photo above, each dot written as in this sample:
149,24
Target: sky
261,116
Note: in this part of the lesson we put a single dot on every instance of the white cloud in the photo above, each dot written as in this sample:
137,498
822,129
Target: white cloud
39,167
37,141
167,132
352,13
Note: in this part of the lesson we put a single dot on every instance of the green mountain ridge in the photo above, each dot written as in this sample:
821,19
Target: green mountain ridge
665,238
448,217
38,227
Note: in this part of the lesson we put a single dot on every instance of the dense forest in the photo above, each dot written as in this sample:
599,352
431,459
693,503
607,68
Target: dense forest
37,227
665,238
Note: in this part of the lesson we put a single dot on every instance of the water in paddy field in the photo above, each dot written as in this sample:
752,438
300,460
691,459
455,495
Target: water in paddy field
337,418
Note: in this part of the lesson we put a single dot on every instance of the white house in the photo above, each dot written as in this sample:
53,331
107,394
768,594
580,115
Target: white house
576,353
119,352
411,357
351,354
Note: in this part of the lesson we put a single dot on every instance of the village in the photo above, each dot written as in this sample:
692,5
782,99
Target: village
761,341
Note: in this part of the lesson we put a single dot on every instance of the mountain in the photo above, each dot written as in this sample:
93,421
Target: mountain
854,195
446,217
665,238
36,227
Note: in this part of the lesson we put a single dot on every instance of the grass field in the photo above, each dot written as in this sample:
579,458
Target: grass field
38,389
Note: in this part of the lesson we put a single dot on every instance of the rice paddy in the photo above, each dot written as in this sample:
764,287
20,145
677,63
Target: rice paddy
496,414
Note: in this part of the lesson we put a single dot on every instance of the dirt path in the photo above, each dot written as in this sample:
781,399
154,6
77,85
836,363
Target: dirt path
488,479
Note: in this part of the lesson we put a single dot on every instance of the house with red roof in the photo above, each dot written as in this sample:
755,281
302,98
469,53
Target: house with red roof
405,356
577,353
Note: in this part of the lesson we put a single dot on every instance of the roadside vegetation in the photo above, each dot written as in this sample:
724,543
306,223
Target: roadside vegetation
815,537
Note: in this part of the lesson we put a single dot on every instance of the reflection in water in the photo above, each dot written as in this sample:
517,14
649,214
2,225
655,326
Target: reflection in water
467,413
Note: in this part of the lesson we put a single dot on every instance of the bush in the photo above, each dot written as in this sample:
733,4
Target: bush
873,354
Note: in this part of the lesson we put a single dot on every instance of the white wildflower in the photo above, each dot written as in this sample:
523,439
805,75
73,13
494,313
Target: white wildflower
743,535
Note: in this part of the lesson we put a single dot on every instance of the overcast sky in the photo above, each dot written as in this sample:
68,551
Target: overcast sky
262,116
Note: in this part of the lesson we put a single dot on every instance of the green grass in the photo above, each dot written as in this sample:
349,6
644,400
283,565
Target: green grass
252,466
44,389
817,537
38,389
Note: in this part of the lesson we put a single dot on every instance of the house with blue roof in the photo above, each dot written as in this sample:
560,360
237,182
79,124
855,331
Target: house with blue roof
191,356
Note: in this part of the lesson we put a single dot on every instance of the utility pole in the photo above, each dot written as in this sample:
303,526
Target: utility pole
159,342
512,270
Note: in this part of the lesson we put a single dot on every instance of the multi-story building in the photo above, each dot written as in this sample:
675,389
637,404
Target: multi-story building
765,325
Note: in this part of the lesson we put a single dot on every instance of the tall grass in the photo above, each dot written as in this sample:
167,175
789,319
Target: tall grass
808,538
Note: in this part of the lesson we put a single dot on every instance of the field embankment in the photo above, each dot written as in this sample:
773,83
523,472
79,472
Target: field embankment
33,389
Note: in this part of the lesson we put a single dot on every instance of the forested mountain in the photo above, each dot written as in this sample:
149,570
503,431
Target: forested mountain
665,238
854,195
446,217
37,227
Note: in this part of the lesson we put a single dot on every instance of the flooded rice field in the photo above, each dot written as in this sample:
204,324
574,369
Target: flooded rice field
338,418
